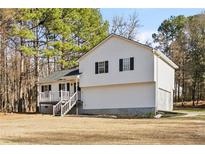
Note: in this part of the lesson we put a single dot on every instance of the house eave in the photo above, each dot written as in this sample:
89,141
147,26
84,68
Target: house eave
62,79
50,82
165,59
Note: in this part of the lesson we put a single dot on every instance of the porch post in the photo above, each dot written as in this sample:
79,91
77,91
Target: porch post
76,88
50,95
77,79
61,95
38,98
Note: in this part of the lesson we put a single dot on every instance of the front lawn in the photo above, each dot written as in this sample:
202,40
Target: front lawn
45,129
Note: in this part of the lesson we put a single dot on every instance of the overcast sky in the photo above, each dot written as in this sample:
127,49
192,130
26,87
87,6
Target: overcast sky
150,19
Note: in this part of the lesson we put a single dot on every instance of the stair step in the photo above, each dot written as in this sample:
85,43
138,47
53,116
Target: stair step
67,105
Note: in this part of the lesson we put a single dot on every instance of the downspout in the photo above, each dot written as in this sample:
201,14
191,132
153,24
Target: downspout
156,86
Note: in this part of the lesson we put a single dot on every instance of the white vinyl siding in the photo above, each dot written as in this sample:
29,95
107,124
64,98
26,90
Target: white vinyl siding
112,51
165,85
119,96
164,100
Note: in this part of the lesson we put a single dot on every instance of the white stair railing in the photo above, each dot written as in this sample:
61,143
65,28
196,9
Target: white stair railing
69,104
57,107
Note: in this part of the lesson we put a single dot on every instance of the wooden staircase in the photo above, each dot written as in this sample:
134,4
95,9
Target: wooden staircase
64,106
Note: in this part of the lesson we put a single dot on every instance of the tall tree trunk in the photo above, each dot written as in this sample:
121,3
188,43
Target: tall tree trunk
183,82
20,96
36,46
3,68
178,90
193,92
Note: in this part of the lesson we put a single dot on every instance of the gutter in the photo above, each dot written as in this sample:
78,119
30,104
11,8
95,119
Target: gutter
165,59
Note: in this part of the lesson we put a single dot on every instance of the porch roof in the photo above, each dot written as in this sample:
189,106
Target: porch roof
59,75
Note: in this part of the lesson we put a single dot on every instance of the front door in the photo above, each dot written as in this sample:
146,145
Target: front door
62,90
72,88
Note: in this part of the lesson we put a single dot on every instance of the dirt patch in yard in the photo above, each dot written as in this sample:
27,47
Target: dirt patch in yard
45,129
189,104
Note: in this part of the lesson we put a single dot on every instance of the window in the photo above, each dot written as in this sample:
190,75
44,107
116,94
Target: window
45,88
61,88
68,86
126,64
101,67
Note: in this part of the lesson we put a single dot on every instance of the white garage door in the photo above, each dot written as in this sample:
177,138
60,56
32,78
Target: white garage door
164,100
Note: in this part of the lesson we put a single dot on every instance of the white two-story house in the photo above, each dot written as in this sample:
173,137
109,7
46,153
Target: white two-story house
118,76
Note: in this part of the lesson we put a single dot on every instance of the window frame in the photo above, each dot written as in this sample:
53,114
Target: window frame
126,64
45,88
62,86
101,67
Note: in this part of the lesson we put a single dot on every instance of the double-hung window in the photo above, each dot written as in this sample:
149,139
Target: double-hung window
126,64
61,88
45,88
101,67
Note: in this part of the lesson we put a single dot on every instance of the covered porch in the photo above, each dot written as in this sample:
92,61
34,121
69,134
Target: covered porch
59,89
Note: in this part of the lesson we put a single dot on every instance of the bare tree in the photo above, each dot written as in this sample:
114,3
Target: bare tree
126,28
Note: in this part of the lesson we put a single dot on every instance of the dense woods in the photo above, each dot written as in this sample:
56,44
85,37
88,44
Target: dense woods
183,40
37,42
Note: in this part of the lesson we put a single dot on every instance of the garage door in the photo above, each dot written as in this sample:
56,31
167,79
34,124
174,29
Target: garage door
164,100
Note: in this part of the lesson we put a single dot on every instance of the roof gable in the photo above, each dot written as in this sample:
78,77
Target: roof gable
158,53
110,37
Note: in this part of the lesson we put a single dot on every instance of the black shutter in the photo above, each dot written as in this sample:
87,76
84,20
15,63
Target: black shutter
59,90
79,86
49,87
74,87
42,88
132,63
68,86
96,67
120,65
106,66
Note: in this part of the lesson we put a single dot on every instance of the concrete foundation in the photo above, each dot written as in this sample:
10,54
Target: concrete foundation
120,111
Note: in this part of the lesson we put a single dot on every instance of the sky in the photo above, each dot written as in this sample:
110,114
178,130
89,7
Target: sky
150,19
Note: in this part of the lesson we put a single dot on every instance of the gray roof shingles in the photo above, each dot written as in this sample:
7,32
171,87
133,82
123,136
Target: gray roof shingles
59,74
